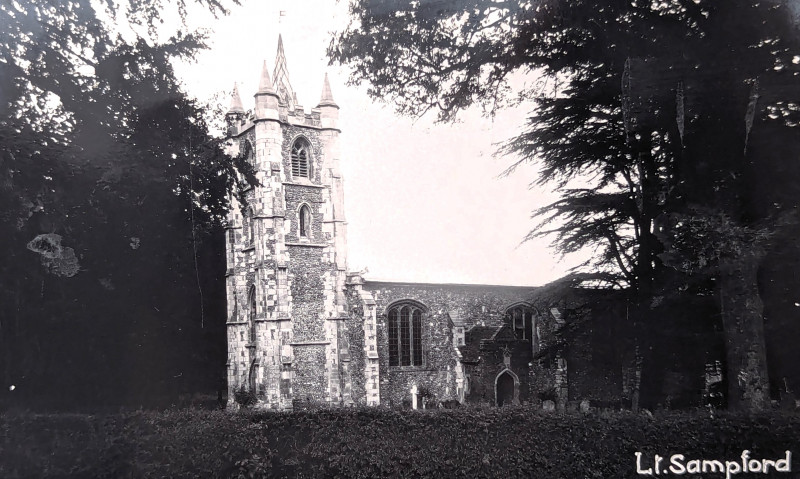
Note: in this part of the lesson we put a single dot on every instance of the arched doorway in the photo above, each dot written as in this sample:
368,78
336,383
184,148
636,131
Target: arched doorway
505,386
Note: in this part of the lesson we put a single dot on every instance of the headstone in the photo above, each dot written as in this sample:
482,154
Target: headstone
548,405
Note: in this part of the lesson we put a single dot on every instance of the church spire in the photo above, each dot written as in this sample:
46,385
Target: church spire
265,83
236,101
281,76
327,97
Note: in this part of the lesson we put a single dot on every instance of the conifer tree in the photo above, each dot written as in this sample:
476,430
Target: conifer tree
652,119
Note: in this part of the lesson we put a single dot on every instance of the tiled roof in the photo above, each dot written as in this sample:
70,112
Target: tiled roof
504,333
456,318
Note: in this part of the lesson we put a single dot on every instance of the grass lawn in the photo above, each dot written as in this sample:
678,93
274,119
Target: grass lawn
466,443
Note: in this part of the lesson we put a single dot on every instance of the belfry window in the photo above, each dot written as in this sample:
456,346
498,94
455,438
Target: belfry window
405,335
300,158
305,221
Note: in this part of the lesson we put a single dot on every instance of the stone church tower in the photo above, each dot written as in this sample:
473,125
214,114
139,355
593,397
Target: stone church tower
286,251
305,333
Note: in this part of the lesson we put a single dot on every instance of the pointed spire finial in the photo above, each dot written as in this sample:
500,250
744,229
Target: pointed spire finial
236,101
327,96
265,83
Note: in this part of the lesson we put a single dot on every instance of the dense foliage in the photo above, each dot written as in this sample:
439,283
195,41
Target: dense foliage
376,443
112,191
668,128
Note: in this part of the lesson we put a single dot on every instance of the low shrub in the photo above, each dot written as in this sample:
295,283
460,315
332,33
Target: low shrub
244,397
378,442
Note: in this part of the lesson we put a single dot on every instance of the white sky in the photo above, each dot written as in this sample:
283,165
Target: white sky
424,202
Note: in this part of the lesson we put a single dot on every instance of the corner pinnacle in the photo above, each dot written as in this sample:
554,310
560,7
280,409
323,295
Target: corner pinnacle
327,97
265,83
236,101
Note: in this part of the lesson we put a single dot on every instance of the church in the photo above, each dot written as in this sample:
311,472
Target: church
303,332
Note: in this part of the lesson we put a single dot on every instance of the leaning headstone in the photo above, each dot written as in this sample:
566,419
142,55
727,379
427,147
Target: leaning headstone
584,407
549,405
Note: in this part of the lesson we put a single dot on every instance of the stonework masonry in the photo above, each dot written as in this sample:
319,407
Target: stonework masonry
304,333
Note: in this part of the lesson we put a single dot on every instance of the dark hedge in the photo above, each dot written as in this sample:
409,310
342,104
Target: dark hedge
369,443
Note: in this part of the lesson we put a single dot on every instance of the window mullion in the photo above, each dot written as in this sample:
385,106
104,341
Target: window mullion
411,337
399,339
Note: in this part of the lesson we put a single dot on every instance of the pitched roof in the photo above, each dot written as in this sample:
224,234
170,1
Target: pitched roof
456,318
474,337
504,333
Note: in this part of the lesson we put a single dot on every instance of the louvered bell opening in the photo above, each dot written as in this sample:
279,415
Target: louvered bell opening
299,161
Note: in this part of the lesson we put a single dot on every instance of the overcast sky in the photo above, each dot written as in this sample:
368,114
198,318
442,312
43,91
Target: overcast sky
424,202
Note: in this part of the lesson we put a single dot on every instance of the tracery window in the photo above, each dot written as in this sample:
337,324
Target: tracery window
305,221
300,159
521,321
405,335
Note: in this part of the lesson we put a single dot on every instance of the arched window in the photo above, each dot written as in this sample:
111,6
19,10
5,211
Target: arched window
251,319
305,221
300,160
521,319
405,335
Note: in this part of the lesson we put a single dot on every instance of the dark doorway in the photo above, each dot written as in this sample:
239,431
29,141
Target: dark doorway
505,389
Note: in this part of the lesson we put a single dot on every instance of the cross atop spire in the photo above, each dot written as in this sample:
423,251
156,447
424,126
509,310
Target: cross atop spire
327,97
236,101
281,76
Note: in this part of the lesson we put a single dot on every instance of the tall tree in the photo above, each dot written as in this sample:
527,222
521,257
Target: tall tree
113,192
647,122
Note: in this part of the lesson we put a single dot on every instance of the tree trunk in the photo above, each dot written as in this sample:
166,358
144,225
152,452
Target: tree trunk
743,324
